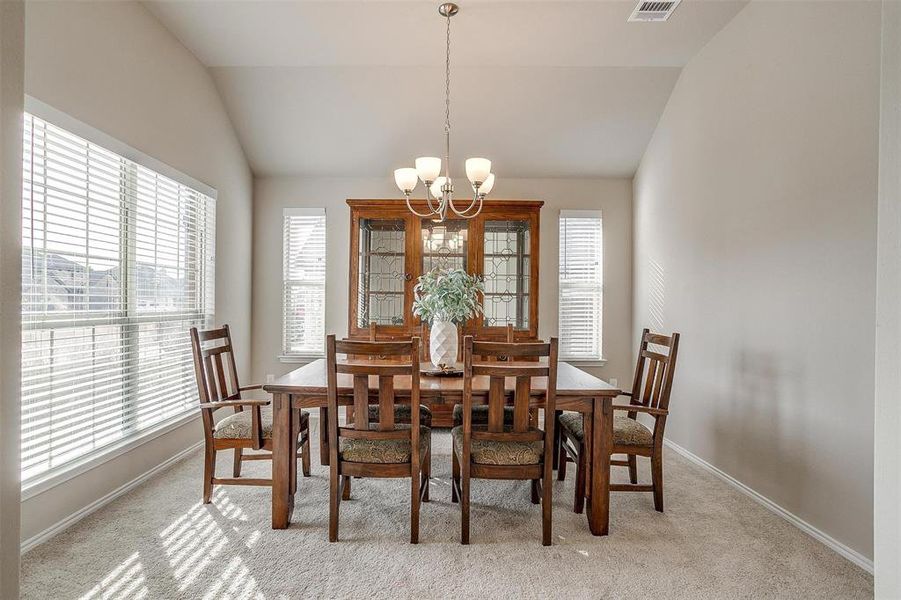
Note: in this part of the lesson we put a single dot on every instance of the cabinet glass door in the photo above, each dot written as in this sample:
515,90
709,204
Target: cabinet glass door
382,272
506,268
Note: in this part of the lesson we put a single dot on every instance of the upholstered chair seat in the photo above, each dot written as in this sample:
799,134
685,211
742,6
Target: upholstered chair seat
485,452
480,415
403,414
626,431
383,451
238,426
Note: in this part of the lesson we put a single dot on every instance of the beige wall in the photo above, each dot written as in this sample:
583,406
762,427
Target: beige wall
272,195
12,71
755,236
114,67
887,455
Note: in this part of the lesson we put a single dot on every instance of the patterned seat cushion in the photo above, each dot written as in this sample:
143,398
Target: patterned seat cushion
383,451
626,431
403,414
486,452
480,415
238,425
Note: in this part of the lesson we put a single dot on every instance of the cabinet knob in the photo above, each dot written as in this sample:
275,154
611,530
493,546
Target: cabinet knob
408,277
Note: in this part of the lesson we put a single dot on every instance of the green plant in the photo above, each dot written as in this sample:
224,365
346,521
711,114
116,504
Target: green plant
447,295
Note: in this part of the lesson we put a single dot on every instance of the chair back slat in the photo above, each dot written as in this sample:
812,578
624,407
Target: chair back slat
366,348
496,402
212,375
654,371
210,380
214,334
658,339
511,349
508,370
361,401
521,403
386,403
646,396
658,383
522,429
220,376
367,367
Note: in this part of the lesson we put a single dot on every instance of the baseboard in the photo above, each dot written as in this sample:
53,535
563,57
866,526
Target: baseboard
80,514
852,555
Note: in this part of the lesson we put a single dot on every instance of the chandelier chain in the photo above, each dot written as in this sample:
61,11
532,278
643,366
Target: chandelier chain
447,100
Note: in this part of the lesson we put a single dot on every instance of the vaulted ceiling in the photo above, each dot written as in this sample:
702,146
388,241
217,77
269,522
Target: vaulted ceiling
341,88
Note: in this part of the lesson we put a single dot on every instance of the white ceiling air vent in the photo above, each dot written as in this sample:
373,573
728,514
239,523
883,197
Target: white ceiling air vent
648,10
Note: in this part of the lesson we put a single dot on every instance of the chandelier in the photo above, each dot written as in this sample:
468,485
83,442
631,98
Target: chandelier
439,189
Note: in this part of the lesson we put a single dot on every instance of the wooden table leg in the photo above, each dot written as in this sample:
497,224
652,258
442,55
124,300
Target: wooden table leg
323,436
587,437
295,429
282,498
601,444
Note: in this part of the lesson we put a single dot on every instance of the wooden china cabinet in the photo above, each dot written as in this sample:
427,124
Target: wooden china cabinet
390,248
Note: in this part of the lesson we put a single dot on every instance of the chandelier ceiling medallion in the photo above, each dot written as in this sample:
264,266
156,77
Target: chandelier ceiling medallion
439,189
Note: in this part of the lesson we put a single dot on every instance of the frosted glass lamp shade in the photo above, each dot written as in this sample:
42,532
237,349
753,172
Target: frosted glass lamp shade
486,187
406,179
436,187
477,169
428,168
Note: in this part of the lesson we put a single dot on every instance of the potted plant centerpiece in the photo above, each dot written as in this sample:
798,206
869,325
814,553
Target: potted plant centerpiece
445,298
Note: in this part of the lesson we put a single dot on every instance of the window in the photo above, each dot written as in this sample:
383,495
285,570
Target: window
581,284
304,281
117,265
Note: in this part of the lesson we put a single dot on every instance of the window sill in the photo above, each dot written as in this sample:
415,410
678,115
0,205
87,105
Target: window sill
299,359
42,483
585,363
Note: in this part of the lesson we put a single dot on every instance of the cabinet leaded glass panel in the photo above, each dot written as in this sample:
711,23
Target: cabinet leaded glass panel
382,270
506,268
444,245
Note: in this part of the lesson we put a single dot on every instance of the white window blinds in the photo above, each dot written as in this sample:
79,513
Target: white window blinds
304,282
117,265
581,284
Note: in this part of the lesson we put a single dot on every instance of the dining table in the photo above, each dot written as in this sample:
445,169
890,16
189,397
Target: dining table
306,388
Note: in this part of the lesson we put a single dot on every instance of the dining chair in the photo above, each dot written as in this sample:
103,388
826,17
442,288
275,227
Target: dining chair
384,448
250,427
497,450
651,387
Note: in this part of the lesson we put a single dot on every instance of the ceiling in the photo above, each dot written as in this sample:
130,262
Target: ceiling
544,89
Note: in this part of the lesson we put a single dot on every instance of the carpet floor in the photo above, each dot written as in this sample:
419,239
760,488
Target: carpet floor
159,541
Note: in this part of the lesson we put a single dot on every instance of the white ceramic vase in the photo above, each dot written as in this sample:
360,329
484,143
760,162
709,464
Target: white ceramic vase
443,344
